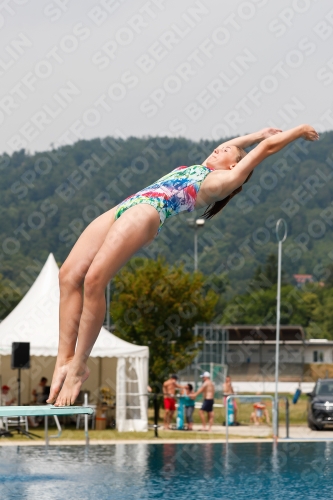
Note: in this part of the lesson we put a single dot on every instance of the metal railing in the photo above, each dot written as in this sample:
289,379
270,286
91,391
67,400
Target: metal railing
46,429
286,401
243,396
55,436
156,411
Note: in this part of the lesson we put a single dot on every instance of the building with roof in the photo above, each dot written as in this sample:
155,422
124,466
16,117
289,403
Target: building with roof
247,354
302,279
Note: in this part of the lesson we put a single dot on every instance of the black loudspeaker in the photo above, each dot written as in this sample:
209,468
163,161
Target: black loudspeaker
20,355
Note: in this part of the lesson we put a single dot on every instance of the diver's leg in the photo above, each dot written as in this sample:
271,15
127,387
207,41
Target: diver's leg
71,277
134,229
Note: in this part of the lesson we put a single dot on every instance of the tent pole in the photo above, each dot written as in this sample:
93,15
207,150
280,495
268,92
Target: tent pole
29,382
99,372
0,379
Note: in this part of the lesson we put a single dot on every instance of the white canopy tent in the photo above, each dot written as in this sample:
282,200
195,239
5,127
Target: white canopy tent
115,363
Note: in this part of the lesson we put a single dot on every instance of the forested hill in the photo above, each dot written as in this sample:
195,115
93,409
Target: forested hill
48,198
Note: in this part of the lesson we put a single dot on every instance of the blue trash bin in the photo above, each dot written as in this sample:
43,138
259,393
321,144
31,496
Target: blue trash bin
180,413
230,412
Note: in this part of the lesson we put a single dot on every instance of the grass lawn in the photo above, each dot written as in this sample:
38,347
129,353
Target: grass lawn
297,413
111,434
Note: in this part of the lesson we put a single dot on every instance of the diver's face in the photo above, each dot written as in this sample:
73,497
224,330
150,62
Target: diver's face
224,158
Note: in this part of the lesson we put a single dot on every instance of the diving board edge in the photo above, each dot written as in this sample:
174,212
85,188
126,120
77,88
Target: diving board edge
44,411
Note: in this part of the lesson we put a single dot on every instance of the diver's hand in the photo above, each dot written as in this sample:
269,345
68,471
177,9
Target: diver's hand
309,133
265,133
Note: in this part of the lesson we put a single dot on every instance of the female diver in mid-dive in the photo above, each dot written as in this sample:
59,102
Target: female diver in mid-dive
115,236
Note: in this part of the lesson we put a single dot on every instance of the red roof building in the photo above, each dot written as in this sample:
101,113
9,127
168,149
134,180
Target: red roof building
301,279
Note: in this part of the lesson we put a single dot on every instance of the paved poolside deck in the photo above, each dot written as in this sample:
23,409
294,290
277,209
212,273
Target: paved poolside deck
238,434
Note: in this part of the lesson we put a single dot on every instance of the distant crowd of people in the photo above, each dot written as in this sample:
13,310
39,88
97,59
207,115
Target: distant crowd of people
259,414
206,411
170,386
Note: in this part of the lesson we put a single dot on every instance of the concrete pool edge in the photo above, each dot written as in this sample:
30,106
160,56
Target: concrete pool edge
94,442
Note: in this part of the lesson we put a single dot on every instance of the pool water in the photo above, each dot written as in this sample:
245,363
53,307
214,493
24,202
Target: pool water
170,471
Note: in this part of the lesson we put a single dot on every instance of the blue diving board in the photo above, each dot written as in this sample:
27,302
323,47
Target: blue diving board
44,411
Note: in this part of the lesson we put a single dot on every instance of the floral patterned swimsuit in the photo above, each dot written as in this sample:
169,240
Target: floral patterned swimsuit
174,193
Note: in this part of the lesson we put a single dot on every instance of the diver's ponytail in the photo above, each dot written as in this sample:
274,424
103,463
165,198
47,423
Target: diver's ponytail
216,207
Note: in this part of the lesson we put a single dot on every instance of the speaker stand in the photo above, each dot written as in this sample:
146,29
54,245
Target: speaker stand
19,429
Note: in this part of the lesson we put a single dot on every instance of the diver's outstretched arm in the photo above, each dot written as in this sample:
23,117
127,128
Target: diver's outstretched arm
250,139
245,141
267,147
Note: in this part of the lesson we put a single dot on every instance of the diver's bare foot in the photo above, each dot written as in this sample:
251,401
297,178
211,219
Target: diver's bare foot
70,390
59,375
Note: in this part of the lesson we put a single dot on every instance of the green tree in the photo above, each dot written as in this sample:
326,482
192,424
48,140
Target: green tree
267,277
329,276
9,298
158,305
219,285
321,324
259,307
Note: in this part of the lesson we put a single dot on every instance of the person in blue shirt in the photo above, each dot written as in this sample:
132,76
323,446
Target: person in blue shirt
189,406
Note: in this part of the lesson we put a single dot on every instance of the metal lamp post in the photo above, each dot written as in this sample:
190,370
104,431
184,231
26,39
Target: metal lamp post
196,224
280,238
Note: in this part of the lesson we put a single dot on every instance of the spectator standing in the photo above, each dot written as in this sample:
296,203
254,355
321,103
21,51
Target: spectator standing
189,406
208,391
169,393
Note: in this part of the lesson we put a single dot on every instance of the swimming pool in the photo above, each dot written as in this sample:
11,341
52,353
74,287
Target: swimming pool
173,471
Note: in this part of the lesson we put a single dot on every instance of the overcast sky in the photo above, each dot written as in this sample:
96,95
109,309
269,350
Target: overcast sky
75,69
